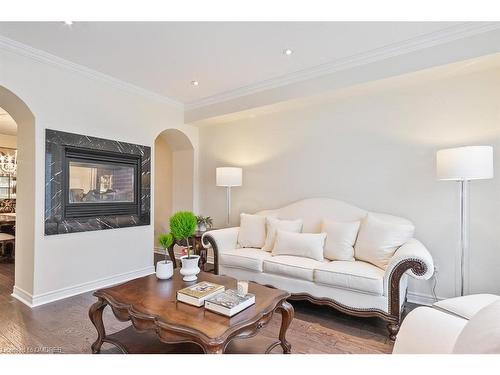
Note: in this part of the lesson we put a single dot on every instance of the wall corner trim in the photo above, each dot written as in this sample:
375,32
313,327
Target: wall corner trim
23,296
449,34
48,58
56,295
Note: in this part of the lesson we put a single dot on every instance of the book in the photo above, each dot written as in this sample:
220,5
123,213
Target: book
197,294
229,303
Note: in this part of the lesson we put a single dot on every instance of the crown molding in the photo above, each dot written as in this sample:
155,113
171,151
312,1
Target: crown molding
443,36
48,58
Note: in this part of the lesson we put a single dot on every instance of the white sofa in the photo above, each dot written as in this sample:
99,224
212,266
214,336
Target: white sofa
461,325
354,287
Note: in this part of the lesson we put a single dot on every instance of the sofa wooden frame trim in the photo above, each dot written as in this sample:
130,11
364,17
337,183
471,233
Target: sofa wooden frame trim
395,308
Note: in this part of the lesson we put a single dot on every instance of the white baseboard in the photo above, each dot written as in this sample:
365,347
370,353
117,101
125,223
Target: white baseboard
42,299
421,298
22,296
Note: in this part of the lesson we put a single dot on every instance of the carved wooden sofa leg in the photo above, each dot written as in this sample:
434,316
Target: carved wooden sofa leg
393,329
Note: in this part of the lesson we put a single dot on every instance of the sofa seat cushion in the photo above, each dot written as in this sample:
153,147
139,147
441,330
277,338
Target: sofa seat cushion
292,266
357,275
466,306
244,258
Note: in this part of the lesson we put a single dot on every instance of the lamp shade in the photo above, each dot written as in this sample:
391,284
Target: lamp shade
229,176
465,163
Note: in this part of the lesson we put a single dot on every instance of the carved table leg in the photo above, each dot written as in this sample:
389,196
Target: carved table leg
95,315
393,329
218,349
287,313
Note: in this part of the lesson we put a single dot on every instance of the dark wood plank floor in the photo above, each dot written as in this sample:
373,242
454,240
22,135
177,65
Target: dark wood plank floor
64,327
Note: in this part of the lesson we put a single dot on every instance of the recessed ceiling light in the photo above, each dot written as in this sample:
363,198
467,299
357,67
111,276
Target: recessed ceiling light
69,23
195,83
287,52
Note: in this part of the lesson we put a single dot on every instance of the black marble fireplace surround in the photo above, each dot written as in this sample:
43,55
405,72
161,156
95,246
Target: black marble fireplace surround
131,165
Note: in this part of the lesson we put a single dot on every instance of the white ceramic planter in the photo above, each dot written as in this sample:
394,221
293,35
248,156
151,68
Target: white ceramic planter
190,267
164,269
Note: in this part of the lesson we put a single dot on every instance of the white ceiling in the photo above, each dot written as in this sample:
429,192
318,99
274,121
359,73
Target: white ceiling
164,57
7,124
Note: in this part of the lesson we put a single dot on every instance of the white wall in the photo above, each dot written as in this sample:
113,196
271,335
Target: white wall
76,101
182,175
373,146
163,187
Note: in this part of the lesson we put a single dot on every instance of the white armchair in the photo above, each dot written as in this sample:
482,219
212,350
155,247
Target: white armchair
462,325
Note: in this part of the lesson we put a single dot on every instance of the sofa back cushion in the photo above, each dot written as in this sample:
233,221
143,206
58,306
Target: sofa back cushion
340,239
252,231
481,335
306,245
379,239
273,224
313,211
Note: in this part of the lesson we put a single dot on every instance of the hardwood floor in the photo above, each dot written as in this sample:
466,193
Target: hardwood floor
64,327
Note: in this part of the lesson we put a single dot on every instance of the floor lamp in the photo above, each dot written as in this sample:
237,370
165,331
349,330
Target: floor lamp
464,164
228,177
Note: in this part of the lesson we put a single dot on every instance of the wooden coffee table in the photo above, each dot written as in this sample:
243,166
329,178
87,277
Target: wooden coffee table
151,305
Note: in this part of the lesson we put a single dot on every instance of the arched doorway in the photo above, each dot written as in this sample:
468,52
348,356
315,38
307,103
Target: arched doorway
25,192
174,178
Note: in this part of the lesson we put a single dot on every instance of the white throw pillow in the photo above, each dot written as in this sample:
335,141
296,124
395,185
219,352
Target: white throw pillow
378,240
340,239
273,224
252,231
307,245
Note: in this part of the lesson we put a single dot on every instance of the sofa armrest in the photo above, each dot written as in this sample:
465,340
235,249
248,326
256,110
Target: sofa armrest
417,259
411,258
220,240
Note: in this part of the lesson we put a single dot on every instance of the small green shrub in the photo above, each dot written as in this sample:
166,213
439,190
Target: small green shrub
183,226
166,240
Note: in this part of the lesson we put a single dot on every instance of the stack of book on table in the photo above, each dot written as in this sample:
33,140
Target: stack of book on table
215,298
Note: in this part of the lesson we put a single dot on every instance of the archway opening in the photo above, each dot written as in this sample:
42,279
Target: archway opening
174,178
22,190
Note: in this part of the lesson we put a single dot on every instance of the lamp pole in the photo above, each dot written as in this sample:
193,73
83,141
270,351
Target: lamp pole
228,204
463,230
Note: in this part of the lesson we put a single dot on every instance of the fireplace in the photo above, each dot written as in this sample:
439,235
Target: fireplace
95,184
100,183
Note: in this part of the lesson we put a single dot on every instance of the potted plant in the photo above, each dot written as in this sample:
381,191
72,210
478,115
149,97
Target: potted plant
182,226
203,222
165,268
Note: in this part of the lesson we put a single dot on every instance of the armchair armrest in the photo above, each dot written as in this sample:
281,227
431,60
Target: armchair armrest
220,240
411,258
428,331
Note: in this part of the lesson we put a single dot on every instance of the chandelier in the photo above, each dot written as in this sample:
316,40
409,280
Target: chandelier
8,163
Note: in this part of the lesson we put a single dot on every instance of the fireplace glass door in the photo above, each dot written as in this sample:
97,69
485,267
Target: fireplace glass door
100,183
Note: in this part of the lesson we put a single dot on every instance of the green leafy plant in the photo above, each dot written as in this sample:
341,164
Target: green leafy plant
204,220
166,240
183,226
